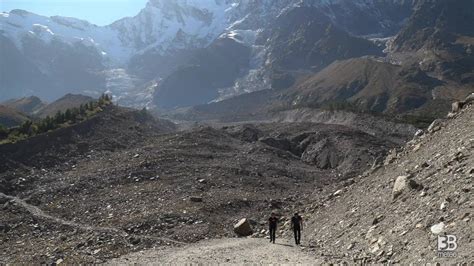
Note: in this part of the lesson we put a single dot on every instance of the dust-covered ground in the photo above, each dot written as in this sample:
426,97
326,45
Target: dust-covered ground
231,251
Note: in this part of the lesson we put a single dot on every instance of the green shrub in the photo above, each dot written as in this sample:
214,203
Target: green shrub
3,131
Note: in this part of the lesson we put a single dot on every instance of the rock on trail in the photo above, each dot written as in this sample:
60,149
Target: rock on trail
227,250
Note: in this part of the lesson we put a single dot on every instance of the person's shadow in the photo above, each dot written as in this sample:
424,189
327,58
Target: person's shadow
286,245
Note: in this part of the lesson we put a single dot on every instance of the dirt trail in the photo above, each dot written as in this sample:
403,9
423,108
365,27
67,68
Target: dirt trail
37,212
247,251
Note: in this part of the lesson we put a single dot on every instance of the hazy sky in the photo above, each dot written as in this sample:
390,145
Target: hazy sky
100,12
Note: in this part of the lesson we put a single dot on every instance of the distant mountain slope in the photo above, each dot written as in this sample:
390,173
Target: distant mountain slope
28,105
10,117
18,74
64,103
367,83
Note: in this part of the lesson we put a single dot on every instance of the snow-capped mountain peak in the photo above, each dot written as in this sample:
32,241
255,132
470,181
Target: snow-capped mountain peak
165,24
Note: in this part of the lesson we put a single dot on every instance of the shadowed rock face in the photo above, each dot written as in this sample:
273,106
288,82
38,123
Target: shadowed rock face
306,38
209,69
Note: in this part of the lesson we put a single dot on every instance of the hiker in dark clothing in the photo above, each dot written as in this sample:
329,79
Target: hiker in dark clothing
272,224
297,226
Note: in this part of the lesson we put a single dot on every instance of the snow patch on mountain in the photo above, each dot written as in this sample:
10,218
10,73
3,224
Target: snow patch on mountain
176,24
246,37
18,24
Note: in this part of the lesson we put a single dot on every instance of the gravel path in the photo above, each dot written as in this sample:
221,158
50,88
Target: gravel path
223,251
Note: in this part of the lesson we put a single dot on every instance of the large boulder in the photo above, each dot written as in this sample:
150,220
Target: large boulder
399,186
403,183
435,126
243,228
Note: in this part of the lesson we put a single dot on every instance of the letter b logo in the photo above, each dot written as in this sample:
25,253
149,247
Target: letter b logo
447,243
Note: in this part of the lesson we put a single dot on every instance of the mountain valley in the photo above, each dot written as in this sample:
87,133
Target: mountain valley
152,139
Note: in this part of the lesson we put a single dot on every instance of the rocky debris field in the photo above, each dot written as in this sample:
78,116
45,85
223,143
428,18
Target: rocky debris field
147,187
395,212
114,129
335,147
124,182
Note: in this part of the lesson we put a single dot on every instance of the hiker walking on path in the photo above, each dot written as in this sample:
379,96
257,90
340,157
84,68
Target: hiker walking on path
297,226
272,224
